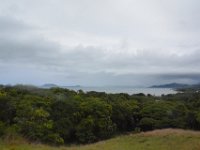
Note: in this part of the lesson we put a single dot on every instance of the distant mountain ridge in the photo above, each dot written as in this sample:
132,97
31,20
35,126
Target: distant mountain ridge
171,85
177,86
49,85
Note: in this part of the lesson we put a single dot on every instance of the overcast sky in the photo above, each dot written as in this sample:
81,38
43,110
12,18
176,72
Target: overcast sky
99,42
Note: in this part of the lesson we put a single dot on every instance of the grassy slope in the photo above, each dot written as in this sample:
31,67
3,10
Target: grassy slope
167,139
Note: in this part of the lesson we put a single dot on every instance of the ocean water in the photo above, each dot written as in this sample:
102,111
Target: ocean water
129,90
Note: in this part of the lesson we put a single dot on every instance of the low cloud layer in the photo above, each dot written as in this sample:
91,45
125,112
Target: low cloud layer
99,43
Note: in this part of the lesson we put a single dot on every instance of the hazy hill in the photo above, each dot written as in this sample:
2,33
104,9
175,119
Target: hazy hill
171,85
49,85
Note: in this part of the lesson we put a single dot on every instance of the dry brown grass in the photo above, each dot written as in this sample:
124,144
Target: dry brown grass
165,139
170,131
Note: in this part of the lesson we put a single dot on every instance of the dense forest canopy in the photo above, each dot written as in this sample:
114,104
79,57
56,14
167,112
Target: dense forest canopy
61,116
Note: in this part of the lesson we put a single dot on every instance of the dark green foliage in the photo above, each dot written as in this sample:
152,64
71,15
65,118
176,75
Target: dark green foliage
2,128
7,110
95,122
53,138
147,124
84,130
65,115
125,114
34,121
61,116
165,114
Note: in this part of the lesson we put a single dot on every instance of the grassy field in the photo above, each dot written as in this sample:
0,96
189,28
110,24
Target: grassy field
166,139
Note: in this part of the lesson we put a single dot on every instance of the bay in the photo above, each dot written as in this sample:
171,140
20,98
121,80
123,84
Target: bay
128,90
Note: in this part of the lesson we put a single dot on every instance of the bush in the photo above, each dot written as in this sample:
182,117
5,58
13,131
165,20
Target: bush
2,128
95,121
85,131
147,124
54,139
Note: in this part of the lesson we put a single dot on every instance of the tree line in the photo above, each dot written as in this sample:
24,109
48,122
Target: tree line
61,116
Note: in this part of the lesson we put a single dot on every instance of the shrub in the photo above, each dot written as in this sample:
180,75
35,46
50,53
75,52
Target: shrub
2,128
147,124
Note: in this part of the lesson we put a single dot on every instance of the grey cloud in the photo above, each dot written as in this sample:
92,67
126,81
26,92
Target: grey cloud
8,24
21,44
189,78
162,42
